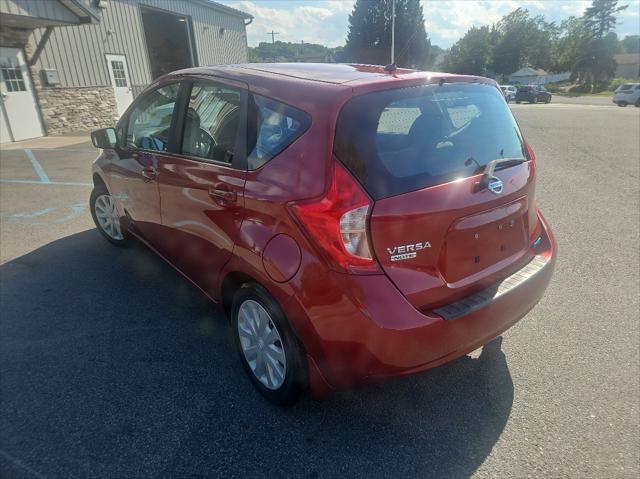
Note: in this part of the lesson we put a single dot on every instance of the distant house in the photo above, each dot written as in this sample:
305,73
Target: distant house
628,65
533,76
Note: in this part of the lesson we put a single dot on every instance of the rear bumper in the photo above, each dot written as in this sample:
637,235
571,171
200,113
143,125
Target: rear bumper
371,331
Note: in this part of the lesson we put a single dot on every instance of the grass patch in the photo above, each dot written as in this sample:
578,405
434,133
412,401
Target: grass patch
572,95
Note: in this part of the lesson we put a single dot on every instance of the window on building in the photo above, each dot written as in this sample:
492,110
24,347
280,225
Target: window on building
150,121
118,73
211,124
12,75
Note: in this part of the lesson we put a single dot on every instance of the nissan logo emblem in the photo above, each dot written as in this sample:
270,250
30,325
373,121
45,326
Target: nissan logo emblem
495,185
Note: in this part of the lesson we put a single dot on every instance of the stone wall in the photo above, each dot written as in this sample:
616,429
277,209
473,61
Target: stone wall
73,110
70,110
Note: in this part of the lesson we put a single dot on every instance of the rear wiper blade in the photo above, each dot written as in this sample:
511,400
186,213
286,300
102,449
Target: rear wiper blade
487,174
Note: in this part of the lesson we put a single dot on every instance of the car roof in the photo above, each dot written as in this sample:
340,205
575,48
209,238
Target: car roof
318,85
334,73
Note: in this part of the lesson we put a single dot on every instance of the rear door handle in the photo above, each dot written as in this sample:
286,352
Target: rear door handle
224,196
149,173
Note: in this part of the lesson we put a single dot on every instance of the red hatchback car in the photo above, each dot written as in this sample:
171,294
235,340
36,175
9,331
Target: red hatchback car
354,223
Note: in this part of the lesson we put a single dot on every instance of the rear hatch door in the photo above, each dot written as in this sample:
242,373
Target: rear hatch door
419,152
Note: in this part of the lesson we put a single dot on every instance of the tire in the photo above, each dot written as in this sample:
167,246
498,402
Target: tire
637,104
548,100
115,235
622,104
533,100
517,102
287,377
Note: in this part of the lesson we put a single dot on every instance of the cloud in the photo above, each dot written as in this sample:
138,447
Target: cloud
326,21
575,8
450,19
341,6
316,23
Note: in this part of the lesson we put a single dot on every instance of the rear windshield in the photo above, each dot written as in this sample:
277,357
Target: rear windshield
525,88
626,86
401,140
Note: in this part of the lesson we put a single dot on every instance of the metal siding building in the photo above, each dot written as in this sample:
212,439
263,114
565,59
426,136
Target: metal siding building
51,12
73,50
79,53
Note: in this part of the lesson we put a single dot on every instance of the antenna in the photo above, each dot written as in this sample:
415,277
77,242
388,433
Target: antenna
393,31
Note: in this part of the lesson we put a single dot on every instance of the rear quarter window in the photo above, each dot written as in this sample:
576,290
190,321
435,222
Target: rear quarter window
273,126
401,140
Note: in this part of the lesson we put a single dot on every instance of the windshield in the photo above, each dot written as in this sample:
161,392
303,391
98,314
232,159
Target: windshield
400,140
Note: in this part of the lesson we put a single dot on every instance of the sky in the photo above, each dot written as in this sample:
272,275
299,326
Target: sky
326,21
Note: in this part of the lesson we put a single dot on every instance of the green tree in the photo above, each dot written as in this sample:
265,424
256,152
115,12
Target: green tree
471,55
595,64
523,40
287,51
630,44
369,36
600,17
573,35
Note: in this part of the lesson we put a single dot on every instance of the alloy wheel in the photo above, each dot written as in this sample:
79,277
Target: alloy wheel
261,344
107,216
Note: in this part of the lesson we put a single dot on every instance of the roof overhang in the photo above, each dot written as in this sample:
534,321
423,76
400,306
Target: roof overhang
224,8
30,15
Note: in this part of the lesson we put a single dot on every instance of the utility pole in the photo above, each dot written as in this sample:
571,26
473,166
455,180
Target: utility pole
393,31
273,36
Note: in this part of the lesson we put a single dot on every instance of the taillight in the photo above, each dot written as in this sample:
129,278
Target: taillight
338,223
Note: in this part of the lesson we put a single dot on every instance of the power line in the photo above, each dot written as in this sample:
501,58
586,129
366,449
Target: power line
273,36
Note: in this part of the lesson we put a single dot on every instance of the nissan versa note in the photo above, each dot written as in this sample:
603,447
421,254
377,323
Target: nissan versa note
354,222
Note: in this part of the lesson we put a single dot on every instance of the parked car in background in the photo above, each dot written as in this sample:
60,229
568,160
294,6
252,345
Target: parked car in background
353,223
509,92
533,94
627,94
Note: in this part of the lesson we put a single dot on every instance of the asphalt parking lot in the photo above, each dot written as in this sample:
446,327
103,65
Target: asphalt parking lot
111,365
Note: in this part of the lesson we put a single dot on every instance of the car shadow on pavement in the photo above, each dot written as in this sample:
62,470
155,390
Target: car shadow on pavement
112,365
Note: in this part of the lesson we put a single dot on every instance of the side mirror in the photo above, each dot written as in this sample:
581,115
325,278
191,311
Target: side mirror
105,138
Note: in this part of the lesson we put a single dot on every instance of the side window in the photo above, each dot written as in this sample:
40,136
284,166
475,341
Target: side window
212,121
150,121
273,127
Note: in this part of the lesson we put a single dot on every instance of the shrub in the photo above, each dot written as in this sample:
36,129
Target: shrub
582,88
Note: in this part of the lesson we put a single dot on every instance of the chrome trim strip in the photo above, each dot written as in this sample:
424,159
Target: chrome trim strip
485,297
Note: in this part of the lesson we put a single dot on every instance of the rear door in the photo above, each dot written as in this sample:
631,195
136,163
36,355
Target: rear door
202,184
419,153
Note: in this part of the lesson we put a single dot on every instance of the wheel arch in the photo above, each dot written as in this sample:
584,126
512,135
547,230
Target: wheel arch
230,284
98,181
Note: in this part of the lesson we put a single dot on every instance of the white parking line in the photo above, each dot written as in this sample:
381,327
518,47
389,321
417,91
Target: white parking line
37,166
52,183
